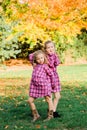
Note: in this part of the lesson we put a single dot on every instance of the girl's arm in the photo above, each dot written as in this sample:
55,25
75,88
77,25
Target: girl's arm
57,61
31,58
50,62
51,75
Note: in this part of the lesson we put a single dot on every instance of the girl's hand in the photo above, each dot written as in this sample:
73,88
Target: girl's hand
34,64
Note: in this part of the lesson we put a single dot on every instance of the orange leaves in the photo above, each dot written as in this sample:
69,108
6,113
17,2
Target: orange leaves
31,31
39,126
23,1
66,16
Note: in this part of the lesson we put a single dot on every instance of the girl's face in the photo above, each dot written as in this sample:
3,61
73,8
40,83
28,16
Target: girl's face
50,49
40,59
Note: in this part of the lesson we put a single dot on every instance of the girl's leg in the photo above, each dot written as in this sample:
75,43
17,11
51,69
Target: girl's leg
55,103
49,101
31,103
33,108
50,106
56,100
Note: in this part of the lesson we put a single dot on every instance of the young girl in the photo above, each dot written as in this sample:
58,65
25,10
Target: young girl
53,63
40,86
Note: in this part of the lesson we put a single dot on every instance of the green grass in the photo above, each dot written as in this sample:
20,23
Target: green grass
16,74
15,114
66,73
73,73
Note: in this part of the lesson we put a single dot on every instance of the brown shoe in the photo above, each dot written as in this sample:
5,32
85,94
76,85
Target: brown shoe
35,115
50,115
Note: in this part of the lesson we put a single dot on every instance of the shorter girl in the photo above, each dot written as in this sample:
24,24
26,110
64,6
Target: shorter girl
53,63
40,86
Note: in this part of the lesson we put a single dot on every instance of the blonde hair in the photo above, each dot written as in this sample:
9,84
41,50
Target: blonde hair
36,53
47,42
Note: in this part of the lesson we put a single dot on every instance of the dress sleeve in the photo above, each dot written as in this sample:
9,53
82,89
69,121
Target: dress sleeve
51,62
51,75
31,58
57,61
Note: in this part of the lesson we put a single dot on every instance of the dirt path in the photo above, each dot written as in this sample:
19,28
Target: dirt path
15,65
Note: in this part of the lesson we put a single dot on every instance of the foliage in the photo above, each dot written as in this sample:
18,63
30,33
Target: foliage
28,41
59,21
67,17
79,45
76,46
31,33
29,47
8,40
83,38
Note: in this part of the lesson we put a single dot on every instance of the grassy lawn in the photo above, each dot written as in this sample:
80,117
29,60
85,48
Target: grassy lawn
15,114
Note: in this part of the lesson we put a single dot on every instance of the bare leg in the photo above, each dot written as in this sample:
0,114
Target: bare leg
50,103
31,103
56,100
36,116
50,106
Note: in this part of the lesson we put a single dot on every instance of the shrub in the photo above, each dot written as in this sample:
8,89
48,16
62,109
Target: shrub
8,40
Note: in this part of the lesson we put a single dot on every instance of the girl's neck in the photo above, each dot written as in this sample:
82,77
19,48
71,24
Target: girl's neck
50,54
40,64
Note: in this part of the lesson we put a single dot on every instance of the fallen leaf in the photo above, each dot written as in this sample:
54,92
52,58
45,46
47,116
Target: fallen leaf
45,126
38,126
6,126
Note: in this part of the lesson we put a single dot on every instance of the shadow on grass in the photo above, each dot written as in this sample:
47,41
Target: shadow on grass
16,114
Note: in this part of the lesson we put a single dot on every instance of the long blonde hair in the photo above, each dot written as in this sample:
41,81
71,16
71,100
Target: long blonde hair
36,53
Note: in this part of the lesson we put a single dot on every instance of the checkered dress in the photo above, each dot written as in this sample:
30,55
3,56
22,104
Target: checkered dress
31,57
53,63
41,81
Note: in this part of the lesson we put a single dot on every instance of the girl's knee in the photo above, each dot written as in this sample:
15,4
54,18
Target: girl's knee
48,99
30,100
57,95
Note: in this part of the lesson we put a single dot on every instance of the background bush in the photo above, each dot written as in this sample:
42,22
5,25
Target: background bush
65,25
8,40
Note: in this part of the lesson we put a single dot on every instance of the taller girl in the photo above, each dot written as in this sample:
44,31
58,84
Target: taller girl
53,63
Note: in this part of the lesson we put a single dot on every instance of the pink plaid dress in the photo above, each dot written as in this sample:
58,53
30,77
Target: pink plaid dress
53,63
31,57
41,81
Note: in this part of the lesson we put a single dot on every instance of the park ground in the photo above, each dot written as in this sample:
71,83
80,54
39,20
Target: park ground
15,113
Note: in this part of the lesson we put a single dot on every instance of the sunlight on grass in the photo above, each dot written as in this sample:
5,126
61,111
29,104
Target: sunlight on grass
73,73
15,113
66,73
16,74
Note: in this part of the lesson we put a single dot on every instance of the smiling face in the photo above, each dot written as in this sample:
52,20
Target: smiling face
40,58
50,49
